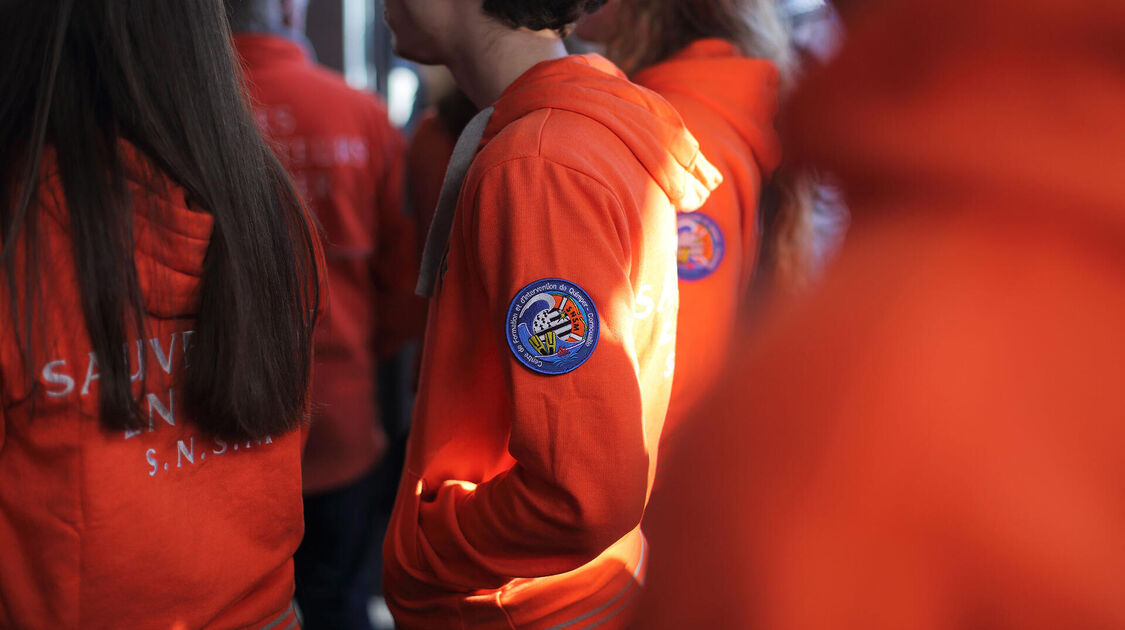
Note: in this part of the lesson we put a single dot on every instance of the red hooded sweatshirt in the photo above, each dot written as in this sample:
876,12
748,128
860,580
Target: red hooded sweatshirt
545,378
729,102
146,529
935,439
347,161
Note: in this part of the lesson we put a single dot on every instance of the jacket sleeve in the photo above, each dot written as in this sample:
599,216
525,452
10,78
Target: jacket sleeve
394,267
579,481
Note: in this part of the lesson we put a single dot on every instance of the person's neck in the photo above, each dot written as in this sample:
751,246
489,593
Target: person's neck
487,69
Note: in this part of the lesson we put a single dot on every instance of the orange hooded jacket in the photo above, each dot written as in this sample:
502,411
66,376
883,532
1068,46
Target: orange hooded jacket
150,529
935,439
346,160
545,380
729,103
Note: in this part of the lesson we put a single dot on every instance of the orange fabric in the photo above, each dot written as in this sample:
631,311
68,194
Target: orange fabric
729,103
522,493
346,159
144,529
934,439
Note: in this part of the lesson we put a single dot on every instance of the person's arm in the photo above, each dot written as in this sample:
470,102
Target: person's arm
579,482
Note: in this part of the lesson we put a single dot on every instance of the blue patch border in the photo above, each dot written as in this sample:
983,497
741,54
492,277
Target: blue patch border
721,245
510,330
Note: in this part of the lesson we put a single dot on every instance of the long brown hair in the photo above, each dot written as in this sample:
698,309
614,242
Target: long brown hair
82,75
658,29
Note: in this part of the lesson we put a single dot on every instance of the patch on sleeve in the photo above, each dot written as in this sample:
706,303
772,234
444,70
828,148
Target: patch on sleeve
553,326
701,245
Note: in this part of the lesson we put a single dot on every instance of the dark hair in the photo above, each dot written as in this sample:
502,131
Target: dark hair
82,76
538,15
649,32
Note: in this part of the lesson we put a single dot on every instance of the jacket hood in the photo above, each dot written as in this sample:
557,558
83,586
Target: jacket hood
1015,101
744,92
170,236
591,86
172,242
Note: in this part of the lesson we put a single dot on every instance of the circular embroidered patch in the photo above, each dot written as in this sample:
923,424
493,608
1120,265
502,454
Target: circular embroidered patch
552,326
701,245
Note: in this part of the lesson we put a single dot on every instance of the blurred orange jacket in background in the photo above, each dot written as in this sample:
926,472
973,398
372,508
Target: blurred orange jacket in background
728,102
346,160
936,439
531,457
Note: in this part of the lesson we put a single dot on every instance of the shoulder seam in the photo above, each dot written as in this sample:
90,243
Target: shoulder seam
542,126
601,184
469,195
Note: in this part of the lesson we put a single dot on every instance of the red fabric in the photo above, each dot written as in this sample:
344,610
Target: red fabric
522,493
729,103
935,439
346,160
145,529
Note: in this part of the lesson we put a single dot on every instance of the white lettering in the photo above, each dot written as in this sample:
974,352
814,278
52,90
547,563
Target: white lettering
359,151
284,123
185,452
219,451
164,360
56,378
140,361
644,304
166,413
91,375
150,457
342,150
668,331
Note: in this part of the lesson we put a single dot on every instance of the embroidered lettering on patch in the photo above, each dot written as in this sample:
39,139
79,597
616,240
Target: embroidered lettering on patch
701,245
552,326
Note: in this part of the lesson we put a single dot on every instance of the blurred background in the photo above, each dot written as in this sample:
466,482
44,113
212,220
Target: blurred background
350,37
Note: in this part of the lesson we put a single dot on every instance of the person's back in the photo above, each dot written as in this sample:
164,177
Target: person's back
722,64
935,439
718,245
149,445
